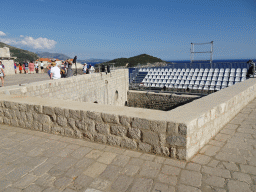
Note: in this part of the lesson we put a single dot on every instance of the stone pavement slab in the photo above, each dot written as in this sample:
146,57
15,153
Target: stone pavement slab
35,161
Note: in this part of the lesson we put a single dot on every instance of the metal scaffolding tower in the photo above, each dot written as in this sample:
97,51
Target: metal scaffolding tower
193,52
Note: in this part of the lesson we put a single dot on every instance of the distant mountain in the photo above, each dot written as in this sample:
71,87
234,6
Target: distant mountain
142,59
92,60
59,56
21,54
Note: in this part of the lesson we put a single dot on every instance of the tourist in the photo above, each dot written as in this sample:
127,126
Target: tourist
15,67
36,67
26,67
31,67
85,68
20,68
69,70
42,67
55,71
49,70
2,74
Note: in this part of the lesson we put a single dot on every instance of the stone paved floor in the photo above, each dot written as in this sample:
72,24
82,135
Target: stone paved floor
35,161
24,78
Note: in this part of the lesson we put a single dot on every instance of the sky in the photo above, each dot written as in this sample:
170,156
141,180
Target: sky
108,29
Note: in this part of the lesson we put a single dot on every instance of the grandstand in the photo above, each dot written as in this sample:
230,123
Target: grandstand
199,79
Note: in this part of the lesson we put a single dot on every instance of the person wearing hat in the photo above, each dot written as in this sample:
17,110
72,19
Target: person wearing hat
55,71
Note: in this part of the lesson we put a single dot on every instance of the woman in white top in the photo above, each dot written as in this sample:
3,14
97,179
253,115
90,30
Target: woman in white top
2,74
42,67
55,71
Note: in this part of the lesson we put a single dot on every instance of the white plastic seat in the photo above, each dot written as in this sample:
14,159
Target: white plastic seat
212,88
224,83
161,85
197,70
230,83
160,73
244,74
232,74
175,77
226,74
200,74
201,70
173,73
206,70
231,79
180,86
200,87
183,70
219,78
243,78
208,83
221,70
237,79
153,85
216,70
164,81
151,69
194,78
182,82
202,82
189,77
214,78
195,87
179,77
213,83
238,70
185,74
205,74
173,81
184,78
170,86
174,70
217,88
192,82
238,74
190,86
164,73
195,73
158,69
166,77
168,73
225,79
192,70
185,86
211,70
162,69
158,77
157,85
191,73
187,82
218,83
227,70
140,70
206,87
209,78
199,78
221,74
187,70
197,83
168,81
204,78
210,74
244,70
162,77
233,70
216,74
179,70
181,73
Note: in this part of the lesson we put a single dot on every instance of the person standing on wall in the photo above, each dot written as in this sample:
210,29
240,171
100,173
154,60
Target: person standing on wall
42,67
15,67
31,66
36,67
69,70
26,67
84,68
2,74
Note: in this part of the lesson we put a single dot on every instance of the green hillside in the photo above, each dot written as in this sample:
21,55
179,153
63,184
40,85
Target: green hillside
59,56
133,61
21,54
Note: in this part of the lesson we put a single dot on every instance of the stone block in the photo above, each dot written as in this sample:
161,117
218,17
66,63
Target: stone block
134,133
7,113
46,128
172,128
110,118
30,108
125,121
114,140
75,114
181,153
93,115
145,147
37,126
150,138
81,125
100,138
140,123
118,130
182,129
58,130
128,143
48,110
176,140
102,128
44,119
59,111
22,107
14,122
69,132
158,126
72,123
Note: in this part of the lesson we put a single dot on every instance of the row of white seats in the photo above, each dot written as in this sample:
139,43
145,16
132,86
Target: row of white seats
192,70
197,82
195,73
190,86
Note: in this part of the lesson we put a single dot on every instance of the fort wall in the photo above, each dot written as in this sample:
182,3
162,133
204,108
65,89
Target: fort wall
7,60
178,133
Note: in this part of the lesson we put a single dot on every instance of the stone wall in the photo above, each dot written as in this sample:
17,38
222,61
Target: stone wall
109,89
179,133
158,101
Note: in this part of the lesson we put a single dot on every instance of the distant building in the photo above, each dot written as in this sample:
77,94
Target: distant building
7,60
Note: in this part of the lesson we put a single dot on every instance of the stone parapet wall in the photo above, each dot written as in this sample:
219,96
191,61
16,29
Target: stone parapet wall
109,89
8,63
158,101
179,133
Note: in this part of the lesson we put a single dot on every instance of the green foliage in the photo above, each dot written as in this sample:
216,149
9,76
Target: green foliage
142,59
21,54
59,56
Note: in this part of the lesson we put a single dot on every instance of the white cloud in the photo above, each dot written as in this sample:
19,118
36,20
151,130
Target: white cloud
2,33
39,43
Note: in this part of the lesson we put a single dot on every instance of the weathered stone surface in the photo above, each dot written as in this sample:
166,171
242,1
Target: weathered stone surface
140,123
75,114
114,140
48,110
128,143
150,138
59,111
191,178
176,140
57,130
182,129
110,118
125,121
118,130
145,147
94,115
100,138
134,133
158,126
61,120
102,128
